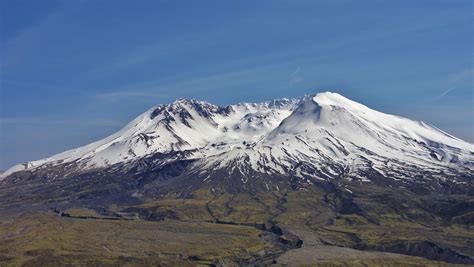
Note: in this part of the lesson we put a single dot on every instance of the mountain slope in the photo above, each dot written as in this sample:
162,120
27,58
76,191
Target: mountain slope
182,125
320,137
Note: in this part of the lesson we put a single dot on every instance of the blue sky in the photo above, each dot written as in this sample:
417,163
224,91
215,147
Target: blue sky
75,71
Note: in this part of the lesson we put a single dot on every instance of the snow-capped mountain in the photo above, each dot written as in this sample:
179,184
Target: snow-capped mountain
314,138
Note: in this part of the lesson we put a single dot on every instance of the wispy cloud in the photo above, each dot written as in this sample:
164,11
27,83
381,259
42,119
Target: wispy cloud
443,94
467,74
296,77
114,95
210,81
47,121
18,49
246,66
38,85
158,49
455,81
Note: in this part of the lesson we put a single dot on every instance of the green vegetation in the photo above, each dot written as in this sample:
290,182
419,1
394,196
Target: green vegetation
47,239
230,228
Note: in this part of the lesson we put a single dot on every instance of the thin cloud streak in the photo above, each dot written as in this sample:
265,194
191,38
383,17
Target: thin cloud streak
47,121
456,80
125,94
296,77
17,49
146,53
39,85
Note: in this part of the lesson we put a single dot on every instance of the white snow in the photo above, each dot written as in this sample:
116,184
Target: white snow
325,133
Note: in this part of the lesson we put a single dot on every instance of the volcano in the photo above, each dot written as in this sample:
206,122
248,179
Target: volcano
323,163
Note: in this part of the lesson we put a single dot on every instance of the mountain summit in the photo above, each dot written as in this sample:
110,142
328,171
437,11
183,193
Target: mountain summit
320,137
